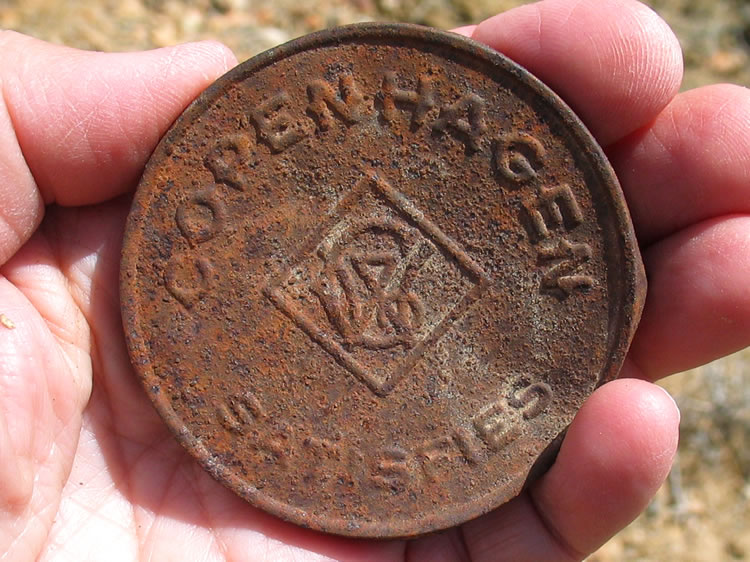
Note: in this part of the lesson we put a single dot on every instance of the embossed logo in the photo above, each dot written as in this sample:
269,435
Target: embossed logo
374,287
365,284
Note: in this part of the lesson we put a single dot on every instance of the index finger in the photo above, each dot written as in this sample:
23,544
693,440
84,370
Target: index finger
616,63
76,128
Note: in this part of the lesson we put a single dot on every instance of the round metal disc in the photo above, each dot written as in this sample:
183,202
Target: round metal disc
370,276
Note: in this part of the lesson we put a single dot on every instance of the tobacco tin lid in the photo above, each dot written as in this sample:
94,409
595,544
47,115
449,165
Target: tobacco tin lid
369,276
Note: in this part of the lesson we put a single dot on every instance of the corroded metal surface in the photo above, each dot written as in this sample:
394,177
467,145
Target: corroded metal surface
370,276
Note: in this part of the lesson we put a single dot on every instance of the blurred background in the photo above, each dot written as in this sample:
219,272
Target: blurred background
701,513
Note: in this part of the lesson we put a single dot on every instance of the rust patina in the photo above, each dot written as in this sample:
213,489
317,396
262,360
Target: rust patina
370,276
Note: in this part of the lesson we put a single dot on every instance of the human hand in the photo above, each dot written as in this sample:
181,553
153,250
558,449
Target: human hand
89,469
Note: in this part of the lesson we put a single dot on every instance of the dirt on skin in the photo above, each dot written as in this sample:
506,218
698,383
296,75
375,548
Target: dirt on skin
701,513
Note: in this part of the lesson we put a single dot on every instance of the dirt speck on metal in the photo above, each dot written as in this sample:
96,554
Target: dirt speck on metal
371,275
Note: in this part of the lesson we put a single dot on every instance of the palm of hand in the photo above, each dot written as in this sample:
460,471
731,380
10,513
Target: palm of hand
87,472
130,483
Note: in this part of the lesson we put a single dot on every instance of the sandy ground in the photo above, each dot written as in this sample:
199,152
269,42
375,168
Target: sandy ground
701,512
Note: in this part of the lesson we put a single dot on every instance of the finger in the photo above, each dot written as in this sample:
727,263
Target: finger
698,306
616,454
615,457
465,30
77,127
615,62
691,164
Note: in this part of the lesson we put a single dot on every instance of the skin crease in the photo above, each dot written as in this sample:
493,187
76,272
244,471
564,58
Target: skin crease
88,468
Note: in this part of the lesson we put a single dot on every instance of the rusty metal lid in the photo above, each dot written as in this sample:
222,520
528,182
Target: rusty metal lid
370,276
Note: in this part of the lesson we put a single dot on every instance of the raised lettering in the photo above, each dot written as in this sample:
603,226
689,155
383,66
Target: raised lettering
348,103
561,209
227,418
201,217
423,99
492,426
467,444
435,451
566,258
238,412
230,159
356,465
518,157
391,470
188,278
275,125
322,450
465,117
532,400
448,448
269,451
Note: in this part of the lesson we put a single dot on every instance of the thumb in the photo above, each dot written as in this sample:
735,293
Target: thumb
77,127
